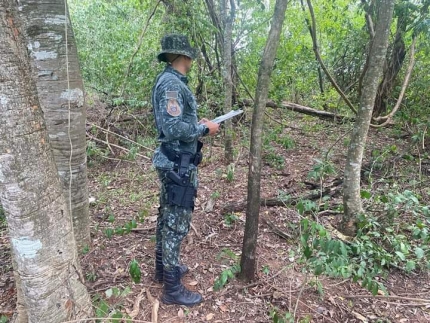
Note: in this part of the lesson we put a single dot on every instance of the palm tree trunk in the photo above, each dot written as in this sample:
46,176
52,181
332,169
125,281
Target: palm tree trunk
44,24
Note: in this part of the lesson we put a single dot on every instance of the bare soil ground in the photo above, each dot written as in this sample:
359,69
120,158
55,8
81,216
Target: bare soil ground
124,190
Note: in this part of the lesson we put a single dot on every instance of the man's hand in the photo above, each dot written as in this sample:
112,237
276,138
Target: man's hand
213,127
203,121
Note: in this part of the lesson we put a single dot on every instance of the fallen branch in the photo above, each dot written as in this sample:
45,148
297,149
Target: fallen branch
116,146
313,112
155,305
325,115
122,137
276,230
104,319
136,305
400,298
270,202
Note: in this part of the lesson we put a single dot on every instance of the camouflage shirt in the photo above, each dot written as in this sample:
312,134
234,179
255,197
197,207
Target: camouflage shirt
175,111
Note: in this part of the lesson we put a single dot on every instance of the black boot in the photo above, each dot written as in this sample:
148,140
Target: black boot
175,292
158,278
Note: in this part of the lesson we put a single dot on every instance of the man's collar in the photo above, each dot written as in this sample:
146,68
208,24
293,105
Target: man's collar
182,77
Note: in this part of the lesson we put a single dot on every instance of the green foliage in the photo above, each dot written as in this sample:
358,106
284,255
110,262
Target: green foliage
215,195
275,160
321,170
230,218
4,319
95,153
134,270
85,249
91,276
230,172
305,206
106,44
121,229
287,317
110,306
225,276
381,243
227,254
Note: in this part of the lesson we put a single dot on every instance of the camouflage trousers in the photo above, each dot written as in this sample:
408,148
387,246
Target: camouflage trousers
173,223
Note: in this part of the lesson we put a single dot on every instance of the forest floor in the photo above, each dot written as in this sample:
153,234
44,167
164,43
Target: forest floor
124,190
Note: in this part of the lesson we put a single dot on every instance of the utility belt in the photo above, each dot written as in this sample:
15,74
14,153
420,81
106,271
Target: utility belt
180,189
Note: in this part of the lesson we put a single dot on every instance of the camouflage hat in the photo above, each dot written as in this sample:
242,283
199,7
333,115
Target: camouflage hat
176,44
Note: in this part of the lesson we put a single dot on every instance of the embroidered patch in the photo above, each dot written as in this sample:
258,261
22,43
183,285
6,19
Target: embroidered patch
171,94
173,108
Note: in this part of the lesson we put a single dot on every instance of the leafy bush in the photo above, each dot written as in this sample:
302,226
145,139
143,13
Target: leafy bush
381,243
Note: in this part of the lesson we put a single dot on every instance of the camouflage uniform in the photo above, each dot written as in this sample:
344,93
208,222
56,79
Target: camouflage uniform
176,120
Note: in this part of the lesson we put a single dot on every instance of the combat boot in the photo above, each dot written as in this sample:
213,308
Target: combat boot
175,293
158,277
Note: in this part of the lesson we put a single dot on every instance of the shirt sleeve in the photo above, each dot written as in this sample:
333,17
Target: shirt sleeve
172,108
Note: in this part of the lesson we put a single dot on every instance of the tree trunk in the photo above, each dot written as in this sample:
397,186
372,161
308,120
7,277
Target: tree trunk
394,65
351,198
39,222
228,82
44,25
247,261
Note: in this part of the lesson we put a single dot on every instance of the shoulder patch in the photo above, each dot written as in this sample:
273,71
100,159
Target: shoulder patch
173,108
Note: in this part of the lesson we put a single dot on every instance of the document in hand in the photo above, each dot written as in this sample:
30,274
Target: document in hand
227,116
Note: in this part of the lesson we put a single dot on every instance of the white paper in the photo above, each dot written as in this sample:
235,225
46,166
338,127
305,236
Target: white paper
227,116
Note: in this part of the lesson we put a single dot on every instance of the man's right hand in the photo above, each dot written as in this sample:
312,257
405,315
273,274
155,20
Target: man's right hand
213,127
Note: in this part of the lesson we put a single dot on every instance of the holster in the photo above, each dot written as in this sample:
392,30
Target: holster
180,190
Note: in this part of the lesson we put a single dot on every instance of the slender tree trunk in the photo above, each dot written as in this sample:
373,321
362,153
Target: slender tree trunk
228,15
39,222
44,24
247,261
351,198
393,67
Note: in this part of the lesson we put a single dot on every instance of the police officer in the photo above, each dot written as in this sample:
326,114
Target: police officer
176,160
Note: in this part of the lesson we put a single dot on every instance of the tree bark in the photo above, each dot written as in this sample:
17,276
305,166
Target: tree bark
228,14
44,24
247,261
39,222
351,198
394,65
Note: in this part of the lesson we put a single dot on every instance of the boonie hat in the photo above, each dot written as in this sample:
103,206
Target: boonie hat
176,44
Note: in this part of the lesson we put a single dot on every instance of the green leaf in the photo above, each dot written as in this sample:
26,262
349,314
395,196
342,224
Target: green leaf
126,291
365,194
375,288
419,252
109,293
134,271
401,255
318,270
410,265
102,310
307,252
116,317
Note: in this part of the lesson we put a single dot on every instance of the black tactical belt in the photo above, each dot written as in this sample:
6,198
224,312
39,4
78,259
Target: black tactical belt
181,159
